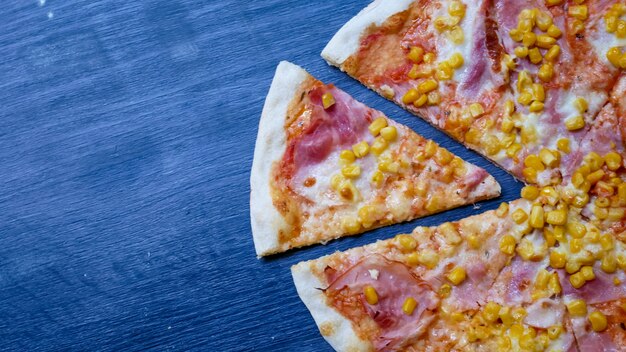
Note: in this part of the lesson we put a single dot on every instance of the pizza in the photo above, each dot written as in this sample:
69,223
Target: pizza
537,87
506,280
521,82
326,165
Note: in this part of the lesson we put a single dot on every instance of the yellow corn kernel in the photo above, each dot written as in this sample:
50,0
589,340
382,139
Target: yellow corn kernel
406,242
530,192
351,225
557,259
528,39
581,104
523,80
328,100
518,313
449,233
575,245
502,210
377,125
614,55
433,98
456,8
548,235
613,161
579,12
528,134
601,213
516,34
368,214
598,321
610,23
621,261
559,233
370,295
536,217
513,150
412,259
556,217
507,244
443,157
621,192
578,179
389,166
457,275
427,86
545,41
409,305
549,158
445,290
428,258
430,148
456,35
525,98
456,60
361,149
521,52
536,106
444,71
542,279
423,99
419,72
553,53
508,61
473,241
546,72
519,216
620,32
609,263
576,229
563,145
506,316
572,266
534,55
581,200
534,162
554,284
525,25
538,92
440,23
577,280
555,331
526,342
416,54
595,176
543,20
389,133
351,171
377,178
491,311
577,307
379,145
410,96
594,161
575,123
476,110
587,273
554,31
516,330
347,156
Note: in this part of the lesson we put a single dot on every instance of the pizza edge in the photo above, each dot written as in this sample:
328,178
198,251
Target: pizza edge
336,329
346,40
265,219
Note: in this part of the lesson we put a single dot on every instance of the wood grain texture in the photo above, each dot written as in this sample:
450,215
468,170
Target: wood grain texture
127,131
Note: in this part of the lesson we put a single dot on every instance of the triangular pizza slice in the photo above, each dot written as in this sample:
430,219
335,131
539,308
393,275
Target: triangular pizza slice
326,165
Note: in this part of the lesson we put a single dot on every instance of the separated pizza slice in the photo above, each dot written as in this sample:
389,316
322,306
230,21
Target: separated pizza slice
326,166
521,82
418,291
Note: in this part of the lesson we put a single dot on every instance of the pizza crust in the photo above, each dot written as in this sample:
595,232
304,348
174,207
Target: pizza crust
346,41
487,189
335,328
270,146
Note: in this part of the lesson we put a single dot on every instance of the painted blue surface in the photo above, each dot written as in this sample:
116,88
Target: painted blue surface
127,131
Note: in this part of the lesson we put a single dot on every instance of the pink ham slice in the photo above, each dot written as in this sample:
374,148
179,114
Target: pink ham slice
591,341
393,283
339,126
599,290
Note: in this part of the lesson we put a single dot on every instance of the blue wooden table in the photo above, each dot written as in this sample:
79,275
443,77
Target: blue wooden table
127,131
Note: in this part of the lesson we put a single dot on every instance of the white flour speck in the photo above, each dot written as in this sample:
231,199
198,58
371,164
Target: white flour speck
42,2
50,15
